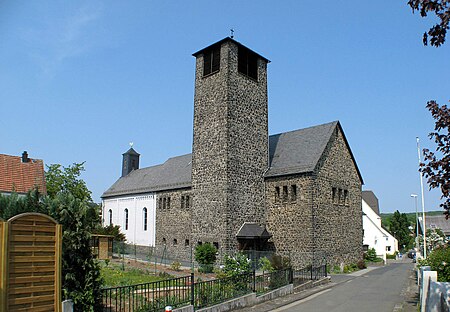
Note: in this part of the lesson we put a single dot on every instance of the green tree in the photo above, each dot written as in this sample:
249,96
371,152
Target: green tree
205,255
14,204
80,271
67,179
69,203
439,260
399,228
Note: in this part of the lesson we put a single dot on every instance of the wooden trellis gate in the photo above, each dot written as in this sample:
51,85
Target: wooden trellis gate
30,264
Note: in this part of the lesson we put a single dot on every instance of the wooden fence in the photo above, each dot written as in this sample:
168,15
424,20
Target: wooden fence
30,259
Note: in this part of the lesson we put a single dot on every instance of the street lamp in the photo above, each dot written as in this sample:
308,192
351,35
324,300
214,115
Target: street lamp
417,222
424,229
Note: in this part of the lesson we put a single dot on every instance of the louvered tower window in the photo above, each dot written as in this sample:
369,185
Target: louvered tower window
211,61
248,63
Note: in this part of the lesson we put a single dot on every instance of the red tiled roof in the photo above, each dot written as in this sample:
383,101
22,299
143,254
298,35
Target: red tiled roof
21,177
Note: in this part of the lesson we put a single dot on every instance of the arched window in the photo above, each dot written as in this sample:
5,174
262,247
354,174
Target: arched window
145,218
110,217
126,219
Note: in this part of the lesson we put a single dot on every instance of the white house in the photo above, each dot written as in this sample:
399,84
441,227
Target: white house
375,236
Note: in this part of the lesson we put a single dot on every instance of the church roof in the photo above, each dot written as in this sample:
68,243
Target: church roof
298,151
293,152
173,174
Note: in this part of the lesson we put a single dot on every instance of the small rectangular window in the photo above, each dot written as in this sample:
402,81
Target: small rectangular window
285,192
186,242
333,195
164,203
188,203
277,193
168,202
182,202
293,192
340,197
216,244
175,242
346,197
211,61
248,62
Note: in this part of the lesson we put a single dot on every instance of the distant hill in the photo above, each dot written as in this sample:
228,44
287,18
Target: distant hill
385,217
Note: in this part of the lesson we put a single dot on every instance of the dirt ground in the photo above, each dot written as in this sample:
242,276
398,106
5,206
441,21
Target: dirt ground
162,268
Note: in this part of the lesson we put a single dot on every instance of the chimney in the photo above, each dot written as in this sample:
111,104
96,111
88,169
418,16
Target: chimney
25,158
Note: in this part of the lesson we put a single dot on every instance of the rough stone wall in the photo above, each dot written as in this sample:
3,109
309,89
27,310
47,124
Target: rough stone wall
313,227
288,220
230,150
338,223
174,223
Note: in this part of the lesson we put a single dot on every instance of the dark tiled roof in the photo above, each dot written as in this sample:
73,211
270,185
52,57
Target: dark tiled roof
291,152
173,174
250,230
21,177
371,200
218,43
438,222
131,151
298,151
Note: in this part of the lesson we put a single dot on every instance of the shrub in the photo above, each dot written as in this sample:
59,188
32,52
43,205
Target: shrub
280,263
236,270
391,256
361,264
176,266
370,255
265,265
205,255
439,260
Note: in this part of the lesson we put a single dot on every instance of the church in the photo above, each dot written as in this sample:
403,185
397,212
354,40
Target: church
296,193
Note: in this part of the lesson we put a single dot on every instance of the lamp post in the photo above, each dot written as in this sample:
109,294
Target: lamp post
417,222
424,229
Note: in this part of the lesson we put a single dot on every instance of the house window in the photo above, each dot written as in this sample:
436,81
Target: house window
285,192
186,242
293,192
182,202
277,193
211,61
248,62
388,248
144,212
175,242
126,219
110,217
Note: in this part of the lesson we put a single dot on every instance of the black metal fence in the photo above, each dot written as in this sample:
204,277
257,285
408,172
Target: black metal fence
183,291
309,273
148,297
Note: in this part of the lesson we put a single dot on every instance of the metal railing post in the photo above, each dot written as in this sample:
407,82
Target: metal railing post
254,280
192,289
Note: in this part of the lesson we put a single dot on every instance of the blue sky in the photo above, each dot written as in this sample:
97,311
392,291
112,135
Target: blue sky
79,80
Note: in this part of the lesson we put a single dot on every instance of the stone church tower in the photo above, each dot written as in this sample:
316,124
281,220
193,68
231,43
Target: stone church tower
230,144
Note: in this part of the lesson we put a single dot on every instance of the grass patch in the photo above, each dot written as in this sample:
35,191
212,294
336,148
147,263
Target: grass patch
113,275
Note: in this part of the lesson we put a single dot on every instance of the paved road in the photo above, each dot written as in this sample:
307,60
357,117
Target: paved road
382,289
